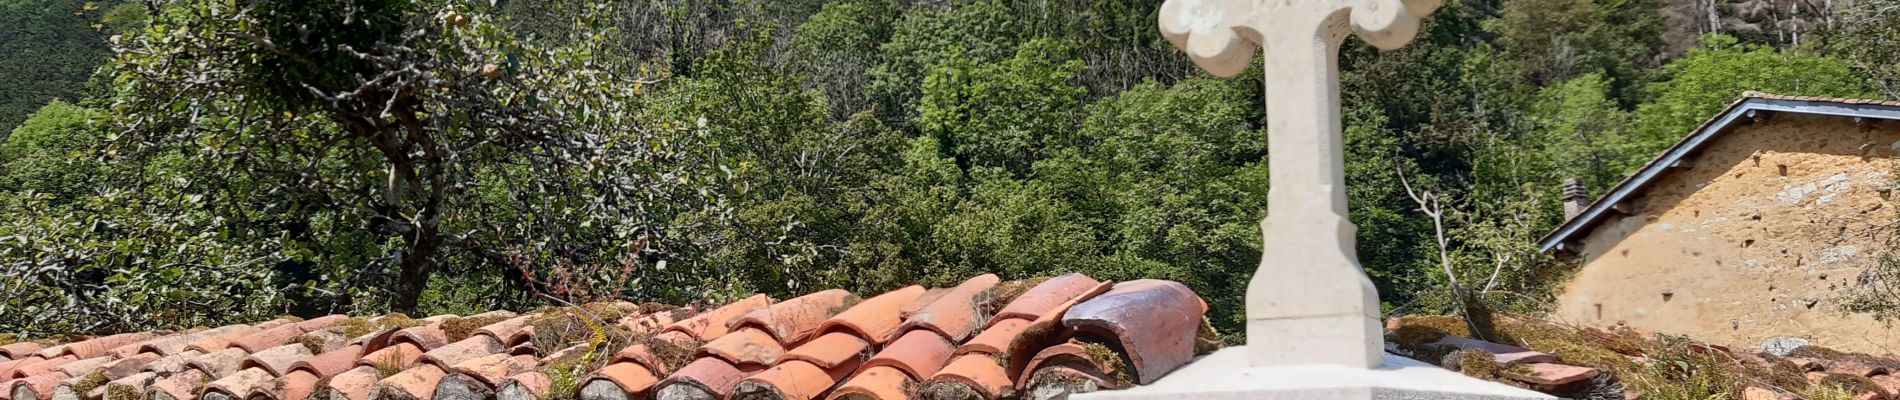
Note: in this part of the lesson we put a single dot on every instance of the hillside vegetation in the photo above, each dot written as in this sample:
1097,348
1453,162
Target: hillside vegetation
195,161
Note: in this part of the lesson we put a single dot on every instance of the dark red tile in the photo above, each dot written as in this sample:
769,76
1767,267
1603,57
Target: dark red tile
1155,322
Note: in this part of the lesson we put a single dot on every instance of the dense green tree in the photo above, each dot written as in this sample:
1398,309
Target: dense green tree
47,50
1711,77
51,153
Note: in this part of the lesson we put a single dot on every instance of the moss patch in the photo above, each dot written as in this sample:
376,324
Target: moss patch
992,300
1206,339
1108,358
123,392
90,382
461,328
1854,384
314,344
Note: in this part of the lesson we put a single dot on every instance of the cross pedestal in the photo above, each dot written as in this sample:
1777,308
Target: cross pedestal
1313,329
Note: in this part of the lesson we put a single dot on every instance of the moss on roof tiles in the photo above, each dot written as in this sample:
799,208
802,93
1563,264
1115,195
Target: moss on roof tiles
461,328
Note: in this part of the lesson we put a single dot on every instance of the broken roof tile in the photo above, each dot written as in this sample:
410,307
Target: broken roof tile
1155,322
1046,297
875,319
1045,331
792,321
748,346
1074,357
713,324
954,314
920,353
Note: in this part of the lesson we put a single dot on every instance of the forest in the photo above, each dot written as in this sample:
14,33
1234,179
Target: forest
195,162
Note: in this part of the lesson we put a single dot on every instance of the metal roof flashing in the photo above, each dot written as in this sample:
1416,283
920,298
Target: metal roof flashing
1748,108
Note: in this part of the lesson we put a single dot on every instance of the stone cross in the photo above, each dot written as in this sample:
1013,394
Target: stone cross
1309,302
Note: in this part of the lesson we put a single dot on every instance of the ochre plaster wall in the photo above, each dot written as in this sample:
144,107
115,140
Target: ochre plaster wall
1759,238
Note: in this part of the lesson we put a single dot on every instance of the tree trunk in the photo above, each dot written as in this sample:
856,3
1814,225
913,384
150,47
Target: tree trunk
418,263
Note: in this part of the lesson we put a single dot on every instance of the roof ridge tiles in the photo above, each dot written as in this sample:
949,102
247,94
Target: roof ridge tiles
876,319
954,314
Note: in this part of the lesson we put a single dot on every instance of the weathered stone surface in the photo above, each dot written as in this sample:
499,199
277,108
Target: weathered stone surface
1226,375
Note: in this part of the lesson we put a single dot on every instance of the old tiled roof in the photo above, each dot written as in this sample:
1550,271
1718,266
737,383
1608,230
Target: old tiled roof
983,338
1742,111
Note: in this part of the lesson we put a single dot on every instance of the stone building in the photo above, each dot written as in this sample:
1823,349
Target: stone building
1753,227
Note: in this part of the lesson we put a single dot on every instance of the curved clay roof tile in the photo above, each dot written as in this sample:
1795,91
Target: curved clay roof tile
875,319
426,337
509,331
875,383
1046,297
297,385
975,375
276,360
411,384
954,315
330,362
531,385
1073,357
708,378
400,355
620,381
996,338
749,346
1045,331
919,353
831,350
793,380
355,384
713,324
795,320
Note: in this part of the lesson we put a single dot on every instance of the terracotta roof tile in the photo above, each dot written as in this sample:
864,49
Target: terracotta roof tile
135,383
277,360
929,296
619,382
172,363
639,353
237,385
708,378
82,367
713,324
491,369
793,321
648,323
99,346
954,315
531,385
127,366
511,331
996,338
1155,321
400,355
831,350
446,357
875,383
220,363
355,384
1046,297
426,337
1073,358
330,362
180,386
877,318
793,380
748,346
296,385
1055,382
570,355
37,387
919,353
971,376
20,350
416,383
36,366
1045,331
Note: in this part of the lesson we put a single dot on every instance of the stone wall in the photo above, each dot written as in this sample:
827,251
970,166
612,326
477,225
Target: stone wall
1758,238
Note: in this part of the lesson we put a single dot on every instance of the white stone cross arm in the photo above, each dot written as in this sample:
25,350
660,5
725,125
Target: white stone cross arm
1220,35
1309,302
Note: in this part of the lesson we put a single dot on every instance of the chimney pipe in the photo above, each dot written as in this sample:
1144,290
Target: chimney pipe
1575,198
